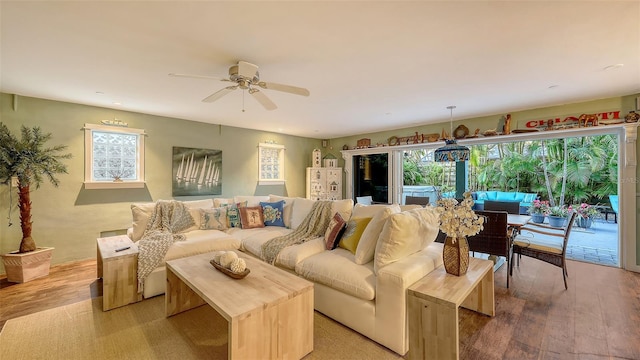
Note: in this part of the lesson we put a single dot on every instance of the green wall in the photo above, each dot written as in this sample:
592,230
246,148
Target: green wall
70,218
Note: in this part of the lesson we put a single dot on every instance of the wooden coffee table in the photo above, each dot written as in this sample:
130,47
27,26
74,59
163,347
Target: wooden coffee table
269,312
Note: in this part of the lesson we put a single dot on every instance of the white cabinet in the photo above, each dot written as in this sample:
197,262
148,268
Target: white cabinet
324,183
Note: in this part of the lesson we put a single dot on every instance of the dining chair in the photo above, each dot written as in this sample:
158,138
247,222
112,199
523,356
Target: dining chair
495,237
364,200
544,243
512,207
417,200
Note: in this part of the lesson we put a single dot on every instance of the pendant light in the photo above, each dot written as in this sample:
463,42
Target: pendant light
451,151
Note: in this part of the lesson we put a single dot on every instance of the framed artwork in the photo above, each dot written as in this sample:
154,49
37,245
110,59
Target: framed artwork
196,172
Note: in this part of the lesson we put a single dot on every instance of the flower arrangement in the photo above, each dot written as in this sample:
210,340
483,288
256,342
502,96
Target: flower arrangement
559,210
458,220
586,210
539,207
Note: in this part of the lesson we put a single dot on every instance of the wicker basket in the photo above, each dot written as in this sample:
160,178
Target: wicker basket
456,256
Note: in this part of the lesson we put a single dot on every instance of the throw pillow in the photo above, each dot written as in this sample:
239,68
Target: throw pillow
404,234
273,213
233,214
213,219
251,217
353,232
367,245
334,231
288,206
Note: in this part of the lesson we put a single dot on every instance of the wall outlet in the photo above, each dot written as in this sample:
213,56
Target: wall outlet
14,181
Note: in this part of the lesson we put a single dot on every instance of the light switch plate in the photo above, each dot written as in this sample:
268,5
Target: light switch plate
14,181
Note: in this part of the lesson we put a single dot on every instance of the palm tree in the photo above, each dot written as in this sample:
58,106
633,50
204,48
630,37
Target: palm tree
29,161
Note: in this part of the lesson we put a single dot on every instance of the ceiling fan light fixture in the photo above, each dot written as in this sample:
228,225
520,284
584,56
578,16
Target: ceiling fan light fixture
451,151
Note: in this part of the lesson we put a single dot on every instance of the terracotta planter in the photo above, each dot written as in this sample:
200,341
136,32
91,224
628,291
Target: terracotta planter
455,256
25,267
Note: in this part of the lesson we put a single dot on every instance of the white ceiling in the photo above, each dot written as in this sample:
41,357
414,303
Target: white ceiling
369,66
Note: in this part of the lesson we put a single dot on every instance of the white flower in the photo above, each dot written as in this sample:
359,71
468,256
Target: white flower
459,220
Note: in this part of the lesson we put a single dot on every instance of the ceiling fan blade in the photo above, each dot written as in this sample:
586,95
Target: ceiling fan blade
248,70
197,76
262,99
285,88
220,93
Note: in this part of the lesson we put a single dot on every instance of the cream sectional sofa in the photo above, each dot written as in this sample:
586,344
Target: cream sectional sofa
364,290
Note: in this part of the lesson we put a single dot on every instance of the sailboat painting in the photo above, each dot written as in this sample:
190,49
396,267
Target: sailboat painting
196,172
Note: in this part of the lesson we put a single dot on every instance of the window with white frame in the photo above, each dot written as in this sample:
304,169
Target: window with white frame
271,164
114,157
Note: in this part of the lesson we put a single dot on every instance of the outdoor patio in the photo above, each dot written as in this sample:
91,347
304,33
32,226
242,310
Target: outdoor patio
598,244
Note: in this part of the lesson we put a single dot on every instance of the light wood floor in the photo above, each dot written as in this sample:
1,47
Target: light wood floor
597,318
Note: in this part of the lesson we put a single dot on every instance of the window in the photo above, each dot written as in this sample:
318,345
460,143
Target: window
114,157
271,164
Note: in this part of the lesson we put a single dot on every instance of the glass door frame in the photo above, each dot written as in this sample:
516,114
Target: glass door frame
627,134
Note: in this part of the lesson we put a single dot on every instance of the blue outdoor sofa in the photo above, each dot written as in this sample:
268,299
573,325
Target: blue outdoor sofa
525,199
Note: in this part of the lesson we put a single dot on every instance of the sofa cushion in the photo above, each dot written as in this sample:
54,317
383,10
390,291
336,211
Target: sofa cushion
505,196
200,242
287,209
367,245
140,213
410,207
344,207
251,200
529,198
219,202
301,208
338,270
252,239
213,219
273,213
290,256
404,234
353,233
251,217
334,231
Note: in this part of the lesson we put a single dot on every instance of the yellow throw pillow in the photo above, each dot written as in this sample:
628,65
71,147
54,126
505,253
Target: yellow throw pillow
351,237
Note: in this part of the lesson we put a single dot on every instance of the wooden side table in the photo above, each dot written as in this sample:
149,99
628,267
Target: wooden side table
118,270
432,308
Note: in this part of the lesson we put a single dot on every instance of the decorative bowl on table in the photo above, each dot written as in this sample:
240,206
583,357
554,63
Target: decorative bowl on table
229,273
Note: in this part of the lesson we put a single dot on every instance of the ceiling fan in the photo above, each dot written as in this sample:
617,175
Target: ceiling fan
246,77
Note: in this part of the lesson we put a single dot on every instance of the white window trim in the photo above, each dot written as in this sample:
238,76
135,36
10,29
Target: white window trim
89,183
280,180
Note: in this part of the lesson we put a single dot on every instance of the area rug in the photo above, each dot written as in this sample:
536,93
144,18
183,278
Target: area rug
141,331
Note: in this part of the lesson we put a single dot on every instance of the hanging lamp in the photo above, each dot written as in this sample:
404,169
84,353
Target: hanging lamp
451,151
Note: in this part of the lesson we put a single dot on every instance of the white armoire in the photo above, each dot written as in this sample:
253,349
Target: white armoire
324,183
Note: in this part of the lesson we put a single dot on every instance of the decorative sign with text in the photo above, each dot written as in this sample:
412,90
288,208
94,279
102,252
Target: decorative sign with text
607,117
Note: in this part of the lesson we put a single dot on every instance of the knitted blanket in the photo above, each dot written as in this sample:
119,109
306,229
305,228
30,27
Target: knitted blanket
314,225
169,217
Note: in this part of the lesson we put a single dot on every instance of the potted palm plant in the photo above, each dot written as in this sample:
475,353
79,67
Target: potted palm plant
29,161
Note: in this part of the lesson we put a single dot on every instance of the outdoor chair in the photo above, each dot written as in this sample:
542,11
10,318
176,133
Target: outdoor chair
417,200
495,237
544,243
512,207
364,200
